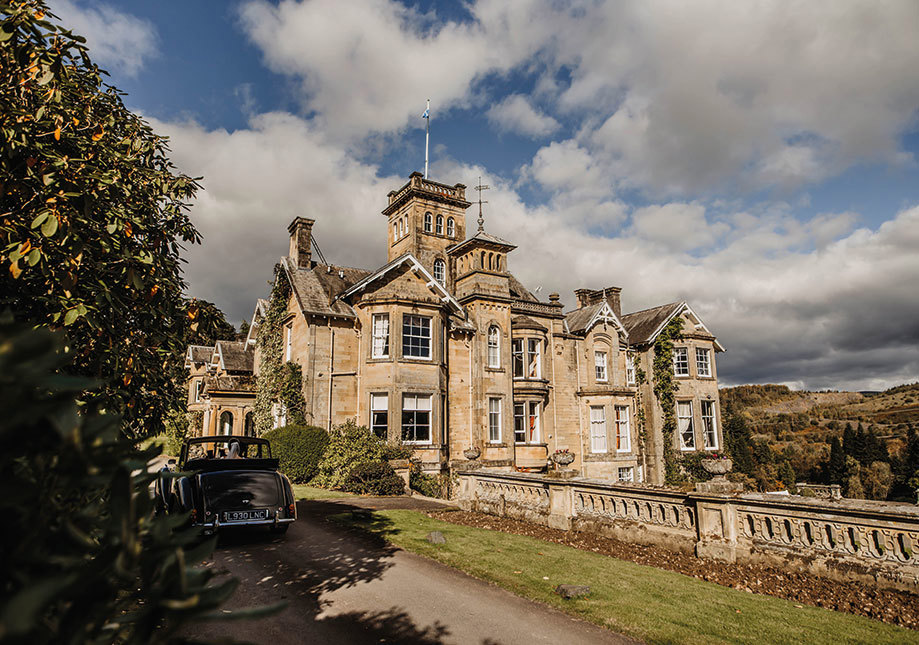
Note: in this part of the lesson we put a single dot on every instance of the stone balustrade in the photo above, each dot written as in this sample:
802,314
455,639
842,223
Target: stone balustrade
844,538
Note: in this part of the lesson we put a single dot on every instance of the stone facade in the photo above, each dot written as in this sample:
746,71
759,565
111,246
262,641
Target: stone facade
444,349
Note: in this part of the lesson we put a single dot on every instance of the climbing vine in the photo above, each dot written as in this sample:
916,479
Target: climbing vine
665,387
278,382
640,379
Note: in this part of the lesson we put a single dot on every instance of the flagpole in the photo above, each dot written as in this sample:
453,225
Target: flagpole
427,137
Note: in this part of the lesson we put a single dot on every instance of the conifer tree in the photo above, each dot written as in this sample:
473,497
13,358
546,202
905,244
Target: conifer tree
836,468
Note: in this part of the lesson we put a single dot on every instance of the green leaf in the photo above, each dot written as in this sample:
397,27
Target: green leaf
34,257
111,228
49,228
40,219
40,113
70,316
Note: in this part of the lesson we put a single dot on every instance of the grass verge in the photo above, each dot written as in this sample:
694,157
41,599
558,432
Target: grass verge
302,491
649,604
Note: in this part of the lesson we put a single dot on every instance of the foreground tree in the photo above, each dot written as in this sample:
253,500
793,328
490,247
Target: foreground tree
92,218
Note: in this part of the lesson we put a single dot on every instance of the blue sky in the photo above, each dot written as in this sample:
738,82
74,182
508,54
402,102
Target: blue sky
758,161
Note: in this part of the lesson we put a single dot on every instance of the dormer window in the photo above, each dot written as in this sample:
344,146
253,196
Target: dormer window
428,222
451,227
440,271
440,225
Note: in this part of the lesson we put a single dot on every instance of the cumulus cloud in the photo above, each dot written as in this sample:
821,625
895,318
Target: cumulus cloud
516,114
118,41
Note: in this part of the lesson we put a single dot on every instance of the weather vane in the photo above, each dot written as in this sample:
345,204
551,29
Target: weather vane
480,188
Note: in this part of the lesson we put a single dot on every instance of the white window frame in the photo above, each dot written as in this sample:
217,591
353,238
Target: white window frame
494,419
629,477
199,389
451,227
439,228
528,417
630,369
623,428
379,403
395,230
534,358
380,333
410,406
407,321
703,362
518,356
598,437
681,361
440,271
685,425
288,341
601,373
709,425
428,222
494,347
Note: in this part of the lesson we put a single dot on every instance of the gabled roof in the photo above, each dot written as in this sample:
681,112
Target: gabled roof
234,356
317,290
199,354
645,325
482,239
518,291
415,266
261,310
581,320
244,383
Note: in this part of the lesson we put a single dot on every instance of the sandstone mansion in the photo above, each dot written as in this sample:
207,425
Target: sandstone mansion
443,349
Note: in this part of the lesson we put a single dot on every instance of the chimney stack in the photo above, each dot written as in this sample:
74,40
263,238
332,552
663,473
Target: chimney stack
587,297
301,233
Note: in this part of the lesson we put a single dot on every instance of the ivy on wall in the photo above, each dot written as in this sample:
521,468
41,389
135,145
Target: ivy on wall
278,382
641,421
665,387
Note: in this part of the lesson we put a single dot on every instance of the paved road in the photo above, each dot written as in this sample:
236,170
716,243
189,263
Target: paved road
347,588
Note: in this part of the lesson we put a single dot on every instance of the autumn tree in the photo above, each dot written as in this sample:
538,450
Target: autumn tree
92,218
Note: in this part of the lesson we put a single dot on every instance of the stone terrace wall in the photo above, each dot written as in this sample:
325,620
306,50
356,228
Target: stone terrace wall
845,539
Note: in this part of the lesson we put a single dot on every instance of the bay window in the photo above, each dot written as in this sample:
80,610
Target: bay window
598,428
526,422
416,418
709,429
685,425
680,361
623,431
380,336
416,336
703,364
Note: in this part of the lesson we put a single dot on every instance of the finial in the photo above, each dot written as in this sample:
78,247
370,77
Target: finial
480,188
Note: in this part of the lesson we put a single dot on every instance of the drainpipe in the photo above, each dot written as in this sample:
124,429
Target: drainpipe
331,364
552,388
577,356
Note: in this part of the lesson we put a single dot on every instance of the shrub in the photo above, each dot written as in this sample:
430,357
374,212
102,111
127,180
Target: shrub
349,446
440,485
374,478
396,450
299,450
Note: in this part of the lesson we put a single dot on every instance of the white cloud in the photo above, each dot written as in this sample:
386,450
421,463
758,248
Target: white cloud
676,226
117,40
516,114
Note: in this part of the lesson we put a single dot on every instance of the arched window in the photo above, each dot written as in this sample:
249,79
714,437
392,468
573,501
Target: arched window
491,261
440,271
428,222
402,226
451,227
226,423
440,224
494,346
395,231
250,424
483,260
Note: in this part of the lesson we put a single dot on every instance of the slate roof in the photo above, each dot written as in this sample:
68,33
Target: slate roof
229,383
523,322
316,288
235,356
482,237
642,325
200,353
518,291
578,319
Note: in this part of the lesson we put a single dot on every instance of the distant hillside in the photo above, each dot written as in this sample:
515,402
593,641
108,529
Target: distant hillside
799,427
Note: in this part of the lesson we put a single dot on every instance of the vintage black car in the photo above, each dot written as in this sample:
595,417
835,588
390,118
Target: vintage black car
228,481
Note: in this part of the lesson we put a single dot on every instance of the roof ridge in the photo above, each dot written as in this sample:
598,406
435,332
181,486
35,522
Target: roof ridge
641,311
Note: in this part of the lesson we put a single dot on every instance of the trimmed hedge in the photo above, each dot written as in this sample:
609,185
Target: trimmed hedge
374,478
299,450
350,446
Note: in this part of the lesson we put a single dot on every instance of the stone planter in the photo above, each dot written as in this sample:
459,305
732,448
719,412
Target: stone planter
717,467
562,458
472,453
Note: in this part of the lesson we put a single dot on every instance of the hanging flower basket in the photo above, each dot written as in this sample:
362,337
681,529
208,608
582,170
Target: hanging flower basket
472,453
562,457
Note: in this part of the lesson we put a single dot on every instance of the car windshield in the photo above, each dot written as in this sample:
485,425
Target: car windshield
241,490
223,449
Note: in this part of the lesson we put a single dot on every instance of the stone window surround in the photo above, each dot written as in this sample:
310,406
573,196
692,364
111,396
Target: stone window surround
691,343
501,415
526,335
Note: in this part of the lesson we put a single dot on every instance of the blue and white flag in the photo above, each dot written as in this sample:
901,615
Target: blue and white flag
427,114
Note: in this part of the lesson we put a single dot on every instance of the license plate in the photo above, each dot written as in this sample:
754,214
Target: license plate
242,516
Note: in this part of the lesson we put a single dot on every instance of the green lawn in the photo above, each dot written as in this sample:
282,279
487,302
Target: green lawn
302,491
650,604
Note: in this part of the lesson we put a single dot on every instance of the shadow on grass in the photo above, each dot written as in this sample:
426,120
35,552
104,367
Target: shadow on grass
316,557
